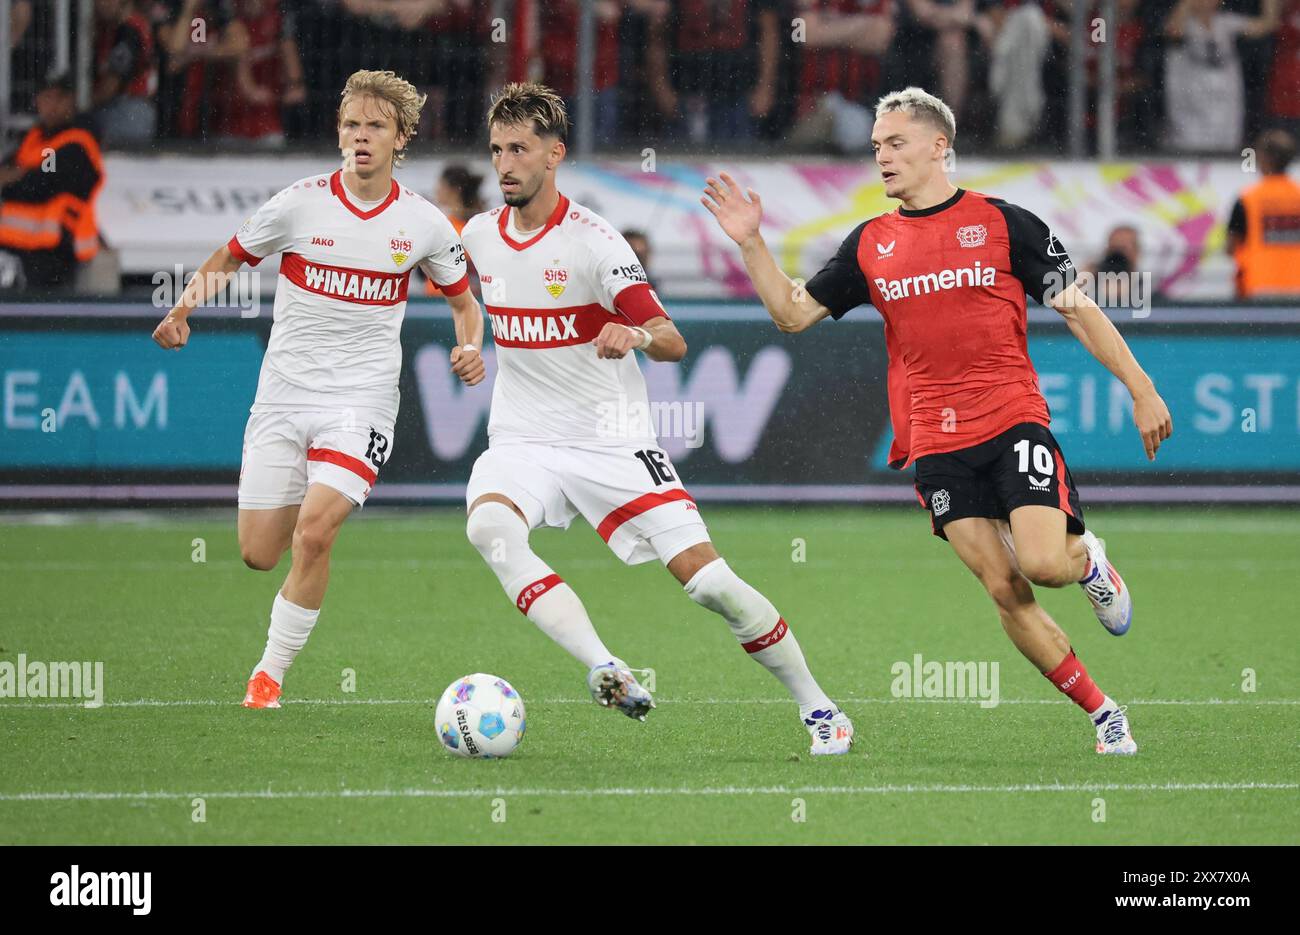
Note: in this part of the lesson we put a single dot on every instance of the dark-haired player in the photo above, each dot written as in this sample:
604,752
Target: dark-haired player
569,304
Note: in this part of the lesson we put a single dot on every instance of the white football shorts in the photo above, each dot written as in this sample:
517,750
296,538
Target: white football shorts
284,452
629,495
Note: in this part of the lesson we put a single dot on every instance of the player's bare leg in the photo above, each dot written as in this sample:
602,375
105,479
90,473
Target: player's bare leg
1053,558
265,535
297,606
984,548
499,530
763,634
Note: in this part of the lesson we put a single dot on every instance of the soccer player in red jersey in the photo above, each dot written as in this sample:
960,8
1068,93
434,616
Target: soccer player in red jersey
949,271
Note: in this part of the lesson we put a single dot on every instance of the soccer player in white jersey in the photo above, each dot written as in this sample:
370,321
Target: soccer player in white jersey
321,424
569,305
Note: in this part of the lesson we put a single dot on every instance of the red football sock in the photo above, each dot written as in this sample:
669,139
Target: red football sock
1073,679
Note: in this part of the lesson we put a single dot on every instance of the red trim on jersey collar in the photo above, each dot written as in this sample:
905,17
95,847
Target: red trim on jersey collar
556,217
341,192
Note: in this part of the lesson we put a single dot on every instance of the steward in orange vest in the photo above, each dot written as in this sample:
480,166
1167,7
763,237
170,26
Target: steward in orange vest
1264,229
48,190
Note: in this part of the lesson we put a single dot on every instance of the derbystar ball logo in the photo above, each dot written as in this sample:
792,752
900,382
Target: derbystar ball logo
555,279
929,283
466,736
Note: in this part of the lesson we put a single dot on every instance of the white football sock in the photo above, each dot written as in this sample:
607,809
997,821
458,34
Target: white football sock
761,631
501,537
1103,710
290,627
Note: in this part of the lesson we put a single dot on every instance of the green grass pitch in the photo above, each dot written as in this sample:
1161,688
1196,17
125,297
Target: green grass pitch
723,758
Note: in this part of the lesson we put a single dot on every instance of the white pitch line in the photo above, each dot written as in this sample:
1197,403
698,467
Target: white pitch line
648,791
340,702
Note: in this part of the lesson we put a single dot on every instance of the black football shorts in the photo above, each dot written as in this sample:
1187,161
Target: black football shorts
1023,466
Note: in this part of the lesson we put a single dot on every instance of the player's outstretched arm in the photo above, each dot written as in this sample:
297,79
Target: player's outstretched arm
1096,332
466,360
790,306
174,331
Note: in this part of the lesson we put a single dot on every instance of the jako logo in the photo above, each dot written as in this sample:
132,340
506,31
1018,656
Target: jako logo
936,282
103,889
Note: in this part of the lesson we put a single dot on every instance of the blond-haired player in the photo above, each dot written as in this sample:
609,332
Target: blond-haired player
321,424
569,304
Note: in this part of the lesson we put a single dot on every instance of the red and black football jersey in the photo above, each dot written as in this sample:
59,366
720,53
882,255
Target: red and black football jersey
951,282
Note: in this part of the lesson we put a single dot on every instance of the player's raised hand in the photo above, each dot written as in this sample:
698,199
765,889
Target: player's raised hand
737,215
172,332
468,365
1153,421
615,340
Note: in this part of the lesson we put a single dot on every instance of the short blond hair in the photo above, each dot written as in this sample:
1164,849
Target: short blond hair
529,103
920,104
397,92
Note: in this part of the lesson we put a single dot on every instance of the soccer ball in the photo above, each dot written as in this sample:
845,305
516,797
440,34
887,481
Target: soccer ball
480,716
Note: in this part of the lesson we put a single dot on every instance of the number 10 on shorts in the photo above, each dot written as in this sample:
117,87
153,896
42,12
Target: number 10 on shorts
1042,456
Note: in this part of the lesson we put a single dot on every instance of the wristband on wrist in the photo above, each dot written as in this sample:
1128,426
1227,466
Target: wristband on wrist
468,347
646,338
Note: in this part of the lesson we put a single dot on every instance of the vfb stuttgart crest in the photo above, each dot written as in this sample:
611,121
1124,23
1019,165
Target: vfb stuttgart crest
972,235
555,279
401,250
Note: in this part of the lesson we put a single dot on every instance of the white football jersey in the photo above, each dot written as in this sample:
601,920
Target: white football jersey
547,298
341,295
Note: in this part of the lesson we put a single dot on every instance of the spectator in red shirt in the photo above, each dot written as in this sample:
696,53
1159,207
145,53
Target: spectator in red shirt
932,47
1284,84
195,39
124,73
712,65
841,69
268,77
555,56
462,41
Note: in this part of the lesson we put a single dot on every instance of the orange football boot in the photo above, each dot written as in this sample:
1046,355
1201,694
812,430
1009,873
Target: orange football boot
263,692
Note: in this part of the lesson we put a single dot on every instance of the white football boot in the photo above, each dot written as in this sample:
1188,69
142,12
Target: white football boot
1110,599
831,730
1113,734
612,684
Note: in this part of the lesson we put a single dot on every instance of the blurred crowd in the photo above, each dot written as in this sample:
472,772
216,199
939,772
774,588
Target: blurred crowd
1193,76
